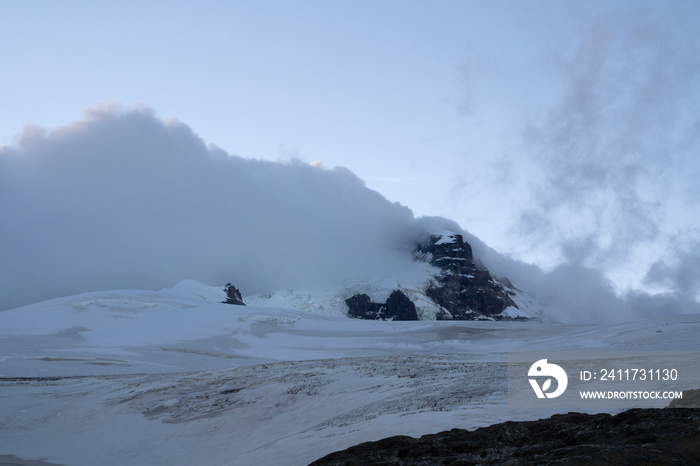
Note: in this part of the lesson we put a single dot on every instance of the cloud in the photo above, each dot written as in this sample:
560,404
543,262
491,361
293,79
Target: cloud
604,181
575,293
613,157
680,272
121,199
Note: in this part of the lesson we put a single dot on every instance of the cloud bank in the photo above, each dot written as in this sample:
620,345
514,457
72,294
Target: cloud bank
613,159
121,199
604,171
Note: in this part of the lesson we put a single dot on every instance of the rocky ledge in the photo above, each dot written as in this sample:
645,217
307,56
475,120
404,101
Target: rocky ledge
637,436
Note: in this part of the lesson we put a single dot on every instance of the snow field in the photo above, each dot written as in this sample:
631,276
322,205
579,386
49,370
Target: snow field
174,377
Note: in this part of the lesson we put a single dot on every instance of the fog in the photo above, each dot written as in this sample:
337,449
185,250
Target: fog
124,200
121,199
612,157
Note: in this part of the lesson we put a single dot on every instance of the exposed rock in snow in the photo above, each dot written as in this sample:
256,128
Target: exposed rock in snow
397,307
362,307
233,295
463,288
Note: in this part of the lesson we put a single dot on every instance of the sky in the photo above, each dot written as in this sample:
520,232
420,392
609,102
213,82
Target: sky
561,134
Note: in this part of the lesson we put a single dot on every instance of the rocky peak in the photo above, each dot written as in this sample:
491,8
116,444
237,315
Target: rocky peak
464,289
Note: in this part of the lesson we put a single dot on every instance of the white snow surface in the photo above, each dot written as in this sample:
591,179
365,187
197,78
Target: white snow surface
446,236
175,377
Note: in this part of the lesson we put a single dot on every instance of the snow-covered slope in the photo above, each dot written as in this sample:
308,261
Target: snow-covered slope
188,328
175,377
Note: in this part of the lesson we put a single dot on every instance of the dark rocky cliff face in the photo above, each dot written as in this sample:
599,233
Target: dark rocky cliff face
464,289
397,307
637,436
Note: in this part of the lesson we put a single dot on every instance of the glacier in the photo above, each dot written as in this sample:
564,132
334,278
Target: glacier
176,377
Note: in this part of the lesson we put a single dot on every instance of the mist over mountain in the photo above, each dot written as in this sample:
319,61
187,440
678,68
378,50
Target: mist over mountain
121,199
124,200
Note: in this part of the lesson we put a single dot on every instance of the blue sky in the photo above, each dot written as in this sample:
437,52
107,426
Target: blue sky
558,132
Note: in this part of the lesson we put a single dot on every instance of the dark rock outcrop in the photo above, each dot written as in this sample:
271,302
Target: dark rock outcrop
233,295
464,289
397,307
362,307
637,436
